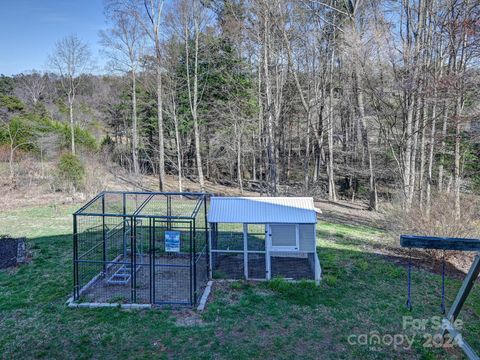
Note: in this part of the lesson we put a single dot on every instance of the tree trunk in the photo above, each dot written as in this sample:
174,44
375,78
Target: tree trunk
456,172
373,198
193,99
239,159
178,143
271,159
72,123
431,158
332,196
422,153
412,98
413,157
136,169
161,146
443,147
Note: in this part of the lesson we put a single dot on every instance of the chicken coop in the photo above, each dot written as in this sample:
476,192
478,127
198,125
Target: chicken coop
141,248
263,237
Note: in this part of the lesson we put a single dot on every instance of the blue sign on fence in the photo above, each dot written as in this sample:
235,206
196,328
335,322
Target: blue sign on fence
172,241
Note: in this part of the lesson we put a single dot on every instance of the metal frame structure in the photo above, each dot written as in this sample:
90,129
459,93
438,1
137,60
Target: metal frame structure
119,235
457,244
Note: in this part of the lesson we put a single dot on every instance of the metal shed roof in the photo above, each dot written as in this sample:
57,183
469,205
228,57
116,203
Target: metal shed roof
262,210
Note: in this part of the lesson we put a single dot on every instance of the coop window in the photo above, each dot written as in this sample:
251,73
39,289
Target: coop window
284,237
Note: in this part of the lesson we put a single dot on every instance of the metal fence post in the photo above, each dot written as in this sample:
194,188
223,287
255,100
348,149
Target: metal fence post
103,237
124,241
132,254
150,257
207,237
154,259
194,263
169,212
75,258
191,264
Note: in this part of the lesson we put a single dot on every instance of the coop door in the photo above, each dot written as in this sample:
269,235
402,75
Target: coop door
283,237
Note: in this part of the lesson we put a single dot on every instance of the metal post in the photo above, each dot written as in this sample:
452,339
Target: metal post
245,250
132,254
209,254
191,259
207,237
153,262
124,203
194,263
150,257
75,258
134,267
103,237
169,212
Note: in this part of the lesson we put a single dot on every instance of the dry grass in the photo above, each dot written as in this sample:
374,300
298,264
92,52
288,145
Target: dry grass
442,221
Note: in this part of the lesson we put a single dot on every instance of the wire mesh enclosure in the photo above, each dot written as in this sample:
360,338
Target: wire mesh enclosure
141,248
239,251
229,249
260,238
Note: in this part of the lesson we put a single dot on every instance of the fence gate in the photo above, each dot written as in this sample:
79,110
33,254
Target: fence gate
172,252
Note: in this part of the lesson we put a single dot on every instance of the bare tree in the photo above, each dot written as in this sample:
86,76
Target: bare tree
172,108
148,13
192,18
31,86
124,44
70,59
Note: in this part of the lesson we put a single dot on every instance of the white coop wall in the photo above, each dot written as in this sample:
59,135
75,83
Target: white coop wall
307,237
261,238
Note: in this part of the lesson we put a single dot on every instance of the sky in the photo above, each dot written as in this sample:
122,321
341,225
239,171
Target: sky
30,28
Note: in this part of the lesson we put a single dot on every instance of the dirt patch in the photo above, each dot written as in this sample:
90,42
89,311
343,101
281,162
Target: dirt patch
231,291
188,317
350,213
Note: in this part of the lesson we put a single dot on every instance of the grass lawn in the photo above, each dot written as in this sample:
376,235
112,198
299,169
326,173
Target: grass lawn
362,293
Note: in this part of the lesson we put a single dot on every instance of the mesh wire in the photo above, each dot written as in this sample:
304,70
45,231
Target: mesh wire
256,251
228,251
201,252
295,268
123,259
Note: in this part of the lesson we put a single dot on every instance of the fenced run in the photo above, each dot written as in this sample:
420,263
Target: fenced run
141,248
238,251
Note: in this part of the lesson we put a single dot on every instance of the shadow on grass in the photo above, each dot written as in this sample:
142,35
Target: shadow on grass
360,292
389,250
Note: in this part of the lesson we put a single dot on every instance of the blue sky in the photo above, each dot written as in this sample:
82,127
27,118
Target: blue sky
29,29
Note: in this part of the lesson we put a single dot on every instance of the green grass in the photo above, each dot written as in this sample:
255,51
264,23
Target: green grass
362,293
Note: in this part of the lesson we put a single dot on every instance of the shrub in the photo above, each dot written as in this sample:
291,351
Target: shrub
30,128
71,172
442,221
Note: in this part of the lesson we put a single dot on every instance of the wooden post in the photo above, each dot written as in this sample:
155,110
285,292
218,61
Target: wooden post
465,289
447,323
459,244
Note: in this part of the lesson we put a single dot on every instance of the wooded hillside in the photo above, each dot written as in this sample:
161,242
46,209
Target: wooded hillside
354,99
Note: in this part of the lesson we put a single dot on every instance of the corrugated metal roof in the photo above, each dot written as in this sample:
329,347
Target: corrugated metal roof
262,210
